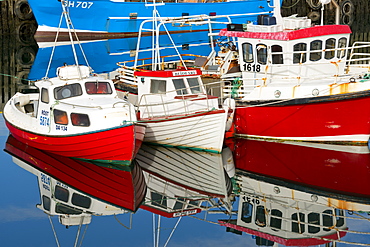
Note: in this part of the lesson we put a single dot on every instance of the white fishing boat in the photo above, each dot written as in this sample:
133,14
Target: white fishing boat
76,114
173,102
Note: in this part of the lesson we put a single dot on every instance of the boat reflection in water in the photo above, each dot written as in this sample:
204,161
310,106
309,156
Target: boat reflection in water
293,194
300,194
123,189
183,182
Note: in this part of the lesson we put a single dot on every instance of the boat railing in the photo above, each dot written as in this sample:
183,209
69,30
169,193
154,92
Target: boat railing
359,56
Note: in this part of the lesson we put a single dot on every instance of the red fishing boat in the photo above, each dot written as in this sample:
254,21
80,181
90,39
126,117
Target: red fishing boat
295,81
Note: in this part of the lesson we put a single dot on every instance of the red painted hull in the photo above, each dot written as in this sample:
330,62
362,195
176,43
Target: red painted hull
323,169
340,119
124,189
116,144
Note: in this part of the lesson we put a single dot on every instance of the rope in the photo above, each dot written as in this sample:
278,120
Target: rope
55,234
129,228
16,77
291,6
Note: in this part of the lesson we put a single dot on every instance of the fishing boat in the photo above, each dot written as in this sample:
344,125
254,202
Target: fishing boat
104,18
295,81
171,98
61,177
184,182
76,114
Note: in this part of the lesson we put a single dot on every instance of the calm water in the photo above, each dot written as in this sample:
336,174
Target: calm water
310,173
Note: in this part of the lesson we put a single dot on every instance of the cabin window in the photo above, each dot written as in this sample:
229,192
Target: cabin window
81,201
247,52
275,222
66,209
327,219
260,216
98,88
313,218
277,58
180,86
159,200
194,85
329,48
342,44
247,211
60,117
193,203
179,204
339,217
61,193
299,55
46,202
67,91
45,96
157,86
79,119
261,54
298,224
315,50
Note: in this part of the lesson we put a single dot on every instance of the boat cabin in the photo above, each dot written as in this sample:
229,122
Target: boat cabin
292,49
171,92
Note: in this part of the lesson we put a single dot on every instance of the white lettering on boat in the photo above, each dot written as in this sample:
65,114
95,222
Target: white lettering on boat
184,213
78,4
187,72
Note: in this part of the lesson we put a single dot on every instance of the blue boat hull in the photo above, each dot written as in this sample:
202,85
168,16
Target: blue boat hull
115,17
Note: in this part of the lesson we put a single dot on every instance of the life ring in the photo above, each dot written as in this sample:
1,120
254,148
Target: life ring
347,7
314,4
23,10
314,15
25,56
229,107
26,31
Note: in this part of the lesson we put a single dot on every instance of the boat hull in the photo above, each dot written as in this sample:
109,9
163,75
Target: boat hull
200,131
115,145
120,18
340,118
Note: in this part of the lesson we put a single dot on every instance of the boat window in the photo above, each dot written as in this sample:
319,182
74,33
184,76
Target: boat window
98,88
194,85
81,201
79,119
275,222
260,216
247,211
342,43
61,193
157,86
46,202
180,86
44,95
299,228
330,48
193,203
313,218
261,54
264,242
327,219
339,217
60,117
247,52
179,203
277,58
67,91
159,200
65,209
299,55
315,50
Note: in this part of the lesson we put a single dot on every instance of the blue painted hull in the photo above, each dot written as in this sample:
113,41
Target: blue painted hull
112,17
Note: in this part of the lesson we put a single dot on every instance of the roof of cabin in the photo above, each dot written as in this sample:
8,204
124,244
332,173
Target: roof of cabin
309,32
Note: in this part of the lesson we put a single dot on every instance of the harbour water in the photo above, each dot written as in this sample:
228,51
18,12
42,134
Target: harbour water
266,176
